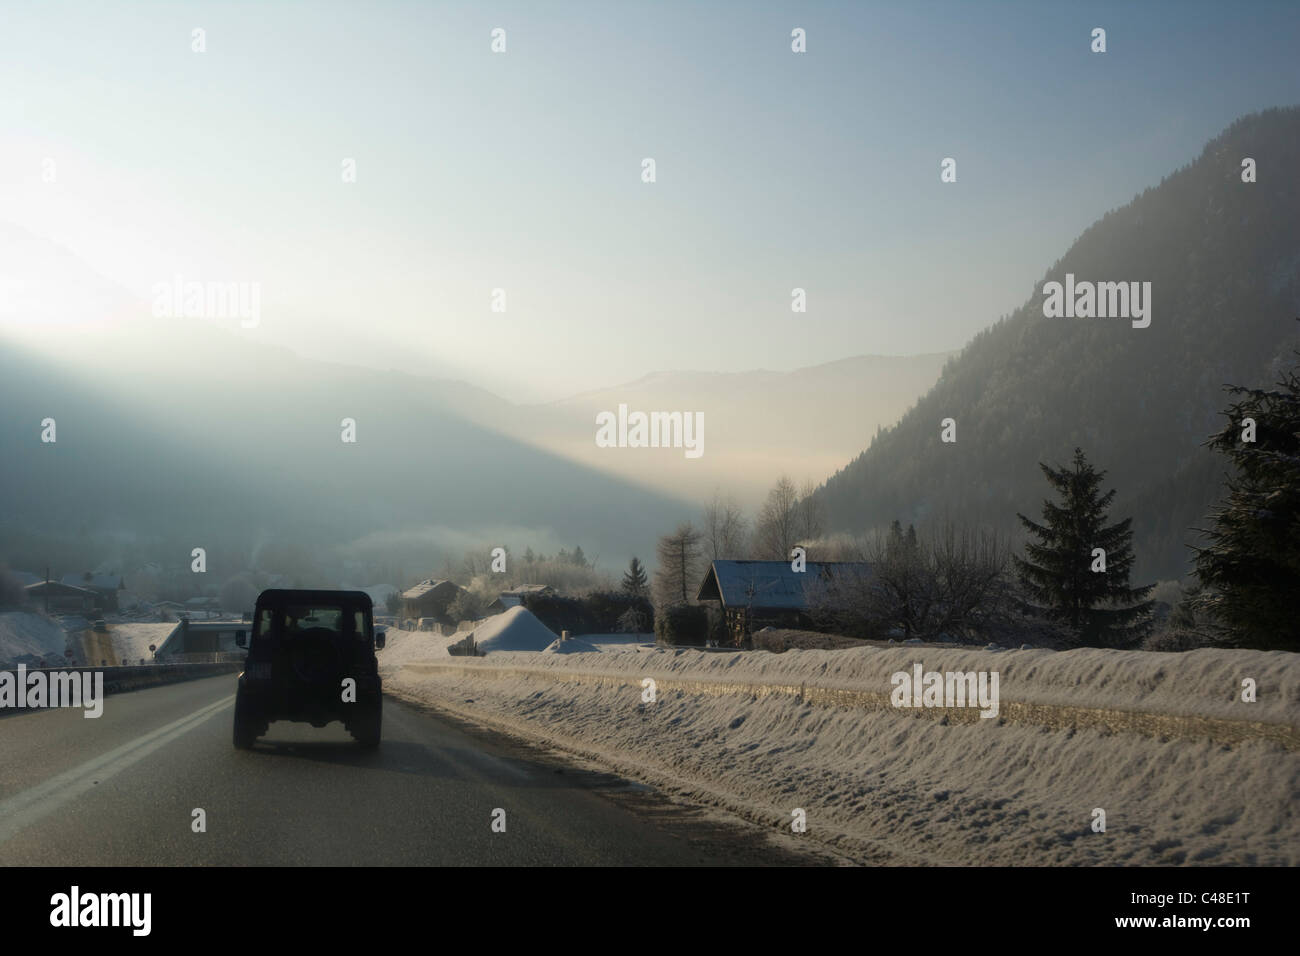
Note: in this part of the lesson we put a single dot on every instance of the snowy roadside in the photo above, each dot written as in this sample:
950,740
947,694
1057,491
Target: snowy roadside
131,639
27,637
883,786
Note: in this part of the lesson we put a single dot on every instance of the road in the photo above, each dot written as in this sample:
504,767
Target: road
122,790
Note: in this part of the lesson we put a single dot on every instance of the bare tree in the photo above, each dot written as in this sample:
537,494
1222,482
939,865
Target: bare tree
810,516
724,529
679,556
952,581
788,517
778,522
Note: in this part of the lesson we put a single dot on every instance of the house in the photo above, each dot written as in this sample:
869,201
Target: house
105,586
756,594
429,598
515,596
60,598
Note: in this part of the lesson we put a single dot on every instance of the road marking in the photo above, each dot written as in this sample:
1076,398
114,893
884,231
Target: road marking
23,809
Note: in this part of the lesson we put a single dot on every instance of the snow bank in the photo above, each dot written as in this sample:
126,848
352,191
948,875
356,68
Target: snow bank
574,645
27,638
405,647
884,785
131,639
620,642
1203,682
517,629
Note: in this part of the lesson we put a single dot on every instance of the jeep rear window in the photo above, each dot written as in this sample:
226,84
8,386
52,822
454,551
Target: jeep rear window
294,620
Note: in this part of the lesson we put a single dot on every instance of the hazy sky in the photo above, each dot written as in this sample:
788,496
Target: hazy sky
522,170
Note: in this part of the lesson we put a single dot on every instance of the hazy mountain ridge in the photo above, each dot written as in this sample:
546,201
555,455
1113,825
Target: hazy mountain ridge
230,443
177,433
758,424
1223,258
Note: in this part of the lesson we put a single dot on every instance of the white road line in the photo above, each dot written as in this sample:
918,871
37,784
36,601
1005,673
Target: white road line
23,809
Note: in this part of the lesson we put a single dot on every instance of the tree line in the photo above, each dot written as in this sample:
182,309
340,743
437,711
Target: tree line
1073,580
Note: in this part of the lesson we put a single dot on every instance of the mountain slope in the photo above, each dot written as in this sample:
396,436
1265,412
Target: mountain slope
758,424
1223,259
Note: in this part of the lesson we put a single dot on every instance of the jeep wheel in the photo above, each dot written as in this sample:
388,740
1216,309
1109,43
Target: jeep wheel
246,728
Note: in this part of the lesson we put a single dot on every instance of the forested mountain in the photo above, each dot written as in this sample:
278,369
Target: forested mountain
1223,260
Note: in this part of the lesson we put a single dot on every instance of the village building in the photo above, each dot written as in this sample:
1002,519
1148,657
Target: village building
756,594
58,598
105,587
430,599
515,596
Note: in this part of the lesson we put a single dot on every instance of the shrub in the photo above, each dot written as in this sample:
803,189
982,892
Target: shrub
465,606
559,613
607,609
682,625
601,612
634,621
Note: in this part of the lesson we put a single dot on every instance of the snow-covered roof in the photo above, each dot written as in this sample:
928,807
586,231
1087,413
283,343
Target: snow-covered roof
99,582
58,587
771,585
424,587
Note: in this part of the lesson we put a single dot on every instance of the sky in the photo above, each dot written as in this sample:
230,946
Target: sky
522,170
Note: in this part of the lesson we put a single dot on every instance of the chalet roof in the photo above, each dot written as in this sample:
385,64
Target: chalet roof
97,582
58,587
424,587
771,585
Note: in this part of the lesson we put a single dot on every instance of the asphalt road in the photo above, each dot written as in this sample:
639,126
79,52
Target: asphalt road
121,790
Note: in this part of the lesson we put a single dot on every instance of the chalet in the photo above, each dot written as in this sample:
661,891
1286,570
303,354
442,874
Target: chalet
60,598
429,598
105,586
756,594
515,596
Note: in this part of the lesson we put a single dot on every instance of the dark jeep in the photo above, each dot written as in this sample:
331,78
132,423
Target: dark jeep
305,648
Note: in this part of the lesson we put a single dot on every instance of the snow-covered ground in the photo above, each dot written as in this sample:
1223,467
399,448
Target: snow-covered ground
1123,732
131,639
574,645
607,643
28,638
514,630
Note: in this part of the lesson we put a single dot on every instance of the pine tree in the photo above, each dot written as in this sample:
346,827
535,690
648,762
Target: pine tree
635,581
677,577
1250,571
900,579
1061,573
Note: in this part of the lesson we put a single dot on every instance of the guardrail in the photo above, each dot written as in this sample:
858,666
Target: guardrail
1051,716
